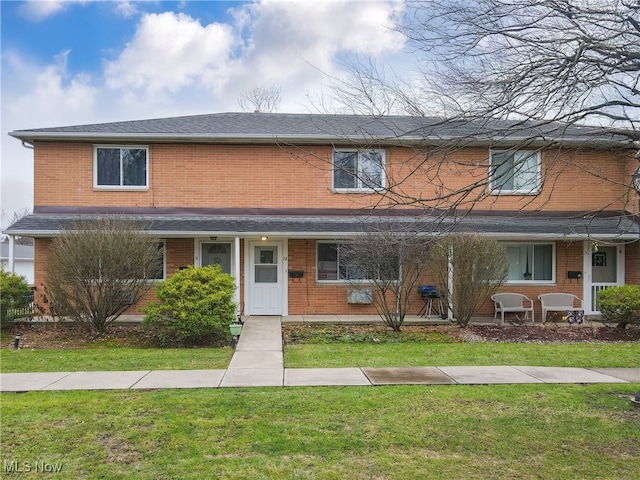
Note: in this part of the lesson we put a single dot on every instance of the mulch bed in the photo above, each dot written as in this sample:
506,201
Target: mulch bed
72,336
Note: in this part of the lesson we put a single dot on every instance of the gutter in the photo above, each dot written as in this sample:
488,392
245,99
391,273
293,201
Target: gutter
32,137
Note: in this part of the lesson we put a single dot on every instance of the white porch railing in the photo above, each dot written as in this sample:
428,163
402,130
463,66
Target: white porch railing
595,288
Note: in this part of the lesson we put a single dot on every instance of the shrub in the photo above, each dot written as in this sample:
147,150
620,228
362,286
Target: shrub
477,265
195,307
98,267
620,305
15,296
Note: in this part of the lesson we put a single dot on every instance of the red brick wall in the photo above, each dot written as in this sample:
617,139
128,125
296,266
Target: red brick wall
272,176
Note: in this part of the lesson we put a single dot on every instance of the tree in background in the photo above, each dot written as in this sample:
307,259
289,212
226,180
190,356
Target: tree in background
540,60
495,69
390,263
468,269
561,60
260,99
99,267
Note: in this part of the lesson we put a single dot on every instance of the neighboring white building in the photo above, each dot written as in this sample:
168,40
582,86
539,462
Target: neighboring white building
23,260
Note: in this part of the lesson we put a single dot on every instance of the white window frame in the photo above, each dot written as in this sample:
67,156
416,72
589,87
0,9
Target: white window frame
121,186
528,187
554,262
339,280
360,187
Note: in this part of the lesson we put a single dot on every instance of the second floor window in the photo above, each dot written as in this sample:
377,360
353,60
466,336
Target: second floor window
515,171
358,169
120,167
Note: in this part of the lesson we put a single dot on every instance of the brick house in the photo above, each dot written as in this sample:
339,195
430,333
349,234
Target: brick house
270,196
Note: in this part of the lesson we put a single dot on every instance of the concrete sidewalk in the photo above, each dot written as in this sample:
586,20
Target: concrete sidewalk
297,377
258,362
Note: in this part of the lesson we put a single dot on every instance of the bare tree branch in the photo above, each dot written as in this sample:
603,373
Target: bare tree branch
261,99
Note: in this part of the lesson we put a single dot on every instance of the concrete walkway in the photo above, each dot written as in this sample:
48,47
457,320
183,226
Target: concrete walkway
258,362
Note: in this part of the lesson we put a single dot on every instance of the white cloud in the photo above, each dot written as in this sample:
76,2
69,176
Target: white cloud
38,10
175,65
36,96
56,95
171,51
272,42
126,8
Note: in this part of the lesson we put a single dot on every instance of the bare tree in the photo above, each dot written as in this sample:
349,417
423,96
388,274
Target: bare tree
562,60
468,269
504,68
390,263
261,99
98,268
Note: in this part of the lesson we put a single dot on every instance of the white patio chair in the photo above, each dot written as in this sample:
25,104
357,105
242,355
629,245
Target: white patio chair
558,302
512,303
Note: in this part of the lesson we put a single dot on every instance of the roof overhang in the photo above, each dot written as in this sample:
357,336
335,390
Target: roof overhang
337,223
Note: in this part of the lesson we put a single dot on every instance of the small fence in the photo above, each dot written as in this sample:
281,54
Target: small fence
24,309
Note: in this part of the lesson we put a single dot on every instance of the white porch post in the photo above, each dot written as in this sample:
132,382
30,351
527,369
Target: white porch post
12,255
236,272
587,287
450,284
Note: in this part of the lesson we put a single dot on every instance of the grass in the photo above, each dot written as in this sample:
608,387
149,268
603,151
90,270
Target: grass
95,359
446,432
449,354
329,347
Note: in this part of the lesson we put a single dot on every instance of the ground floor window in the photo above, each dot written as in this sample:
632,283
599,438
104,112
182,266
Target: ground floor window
530,262
333,265
162,268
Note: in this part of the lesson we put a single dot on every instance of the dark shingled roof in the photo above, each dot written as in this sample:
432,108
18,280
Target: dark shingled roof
325,128
316,224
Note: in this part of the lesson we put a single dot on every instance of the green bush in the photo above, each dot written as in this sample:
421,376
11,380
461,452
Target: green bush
620,305
195,307
15,296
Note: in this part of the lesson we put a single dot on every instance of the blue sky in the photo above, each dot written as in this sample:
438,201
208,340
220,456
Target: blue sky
76,62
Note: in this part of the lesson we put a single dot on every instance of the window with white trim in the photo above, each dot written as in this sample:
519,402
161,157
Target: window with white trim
123,167
162,264
357,170
515,171
531,262
332,266
94,270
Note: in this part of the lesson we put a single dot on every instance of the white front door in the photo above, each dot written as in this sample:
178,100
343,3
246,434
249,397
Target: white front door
266,278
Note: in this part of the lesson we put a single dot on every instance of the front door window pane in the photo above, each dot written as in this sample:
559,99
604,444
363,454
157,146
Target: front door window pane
266,268
217,254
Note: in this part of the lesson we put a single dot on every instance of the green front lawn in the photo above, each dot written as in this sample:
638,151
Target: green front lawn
95,359
395,432
412,354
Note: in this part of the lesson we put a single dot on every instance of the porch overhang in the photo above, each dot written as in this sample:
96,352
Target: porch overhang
341,223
